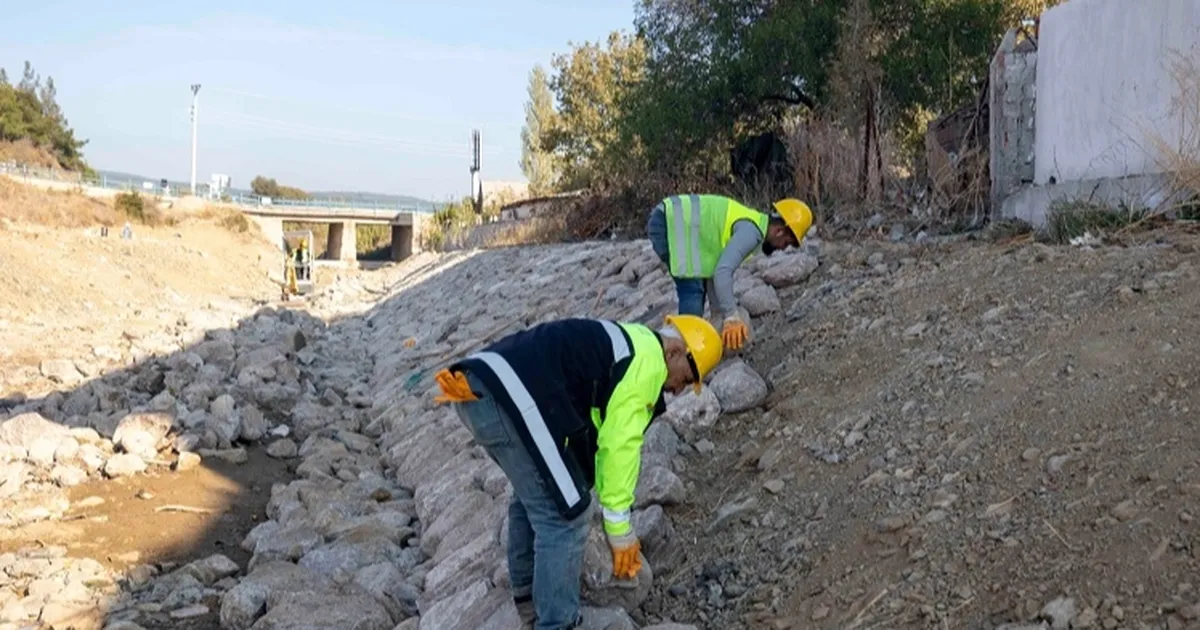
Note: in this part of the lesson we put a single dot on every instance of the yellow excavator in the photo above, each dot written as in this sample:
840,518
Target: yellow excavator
298,263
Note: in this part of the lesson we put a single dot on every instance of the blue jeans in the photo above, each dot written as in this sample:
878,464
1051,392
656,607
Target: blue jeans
690,291
545,551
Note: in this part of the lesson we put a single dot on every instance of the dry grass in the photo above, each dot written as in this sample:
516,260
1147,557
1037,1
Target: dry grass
25,151
70,209
32,205
826,160
229,218
1180,159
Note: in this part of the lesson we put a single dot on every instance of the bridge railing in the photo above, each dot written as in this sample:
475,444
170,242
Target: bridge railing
100,180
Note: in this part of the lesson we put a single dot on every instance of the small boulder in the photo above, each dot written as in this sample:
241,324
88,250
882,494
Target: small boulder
124,465
739,388
141,433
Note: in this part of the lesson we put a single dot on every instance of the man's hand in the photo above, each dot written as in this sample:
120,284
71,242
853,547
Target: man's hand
734,332
626,561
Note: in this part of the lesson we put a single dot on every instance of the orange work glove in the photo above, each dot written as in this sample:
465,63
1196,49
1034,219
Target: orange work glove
734,333
454,388
626,561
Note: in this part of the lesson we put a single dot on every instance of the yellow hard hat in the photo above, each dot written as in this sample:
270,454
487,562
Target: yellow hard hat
796,214
703,343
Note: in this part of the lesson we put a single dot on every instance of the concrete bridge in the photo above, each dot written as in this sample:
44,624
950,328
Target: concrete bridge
343,239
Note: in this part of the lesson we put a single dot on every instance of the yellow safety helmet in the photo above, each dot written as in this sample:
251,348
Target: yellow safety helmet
796,214
703,343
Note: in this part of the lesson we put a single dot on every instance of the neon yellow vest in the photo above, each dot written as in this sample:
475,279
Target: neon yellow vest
699,227
619,437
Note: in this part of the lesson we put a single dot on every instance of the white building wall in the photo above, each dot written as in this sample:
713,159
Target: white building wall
1104,86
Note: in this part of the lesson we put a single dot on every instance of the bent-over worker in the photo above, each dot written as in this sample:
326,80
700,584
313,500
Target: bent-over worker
703,238
561,407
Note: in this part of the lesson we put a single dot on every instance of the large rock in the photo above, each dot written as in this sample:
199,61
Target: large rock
603,590
738,388
243,604
606,619
690,411
657,537
283,543
454,610
141,433
386,584
661,439
761,300
657,485
345,556
61,371
468,515
124,465
211,569
784,270
477,559
24,430
224,419
325,610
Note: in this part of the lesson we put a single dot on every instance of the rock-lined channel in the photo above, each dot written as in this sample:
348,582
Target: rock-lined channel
394,519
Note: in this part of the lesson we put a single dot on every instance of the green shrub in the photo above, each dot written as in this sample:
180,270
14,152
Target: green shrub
131,205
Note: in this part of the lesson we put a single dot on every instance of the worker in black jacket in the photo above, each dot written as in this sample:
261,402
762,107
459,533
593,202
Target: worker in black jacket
561,407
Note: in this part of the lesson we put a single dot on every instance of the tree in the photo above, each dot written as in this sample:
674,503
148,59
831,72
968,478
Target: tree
50,107
30,112
264,187
717,68
29,80
537,163
3,77
591,83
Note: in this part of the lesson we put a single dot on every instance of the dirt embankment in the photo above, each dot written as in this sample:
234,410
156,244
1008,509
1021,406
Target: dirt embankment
961,435
72,295
960,438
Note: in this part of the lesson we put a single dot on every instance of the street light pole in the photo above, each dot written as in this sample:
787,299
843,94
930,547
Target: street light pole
195,97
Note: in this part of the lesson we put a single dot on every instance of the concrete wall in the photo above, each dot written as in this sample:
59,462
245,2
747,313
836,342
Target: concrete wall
343,241
1011,112
1104,85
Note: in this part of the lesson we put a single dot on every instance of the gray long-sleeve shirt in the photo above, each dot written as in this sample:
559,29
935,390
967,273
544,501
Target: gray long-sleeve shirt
742,241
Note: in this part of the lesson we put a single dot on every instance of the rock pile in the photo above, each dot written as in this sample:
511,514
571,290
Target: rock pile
395,520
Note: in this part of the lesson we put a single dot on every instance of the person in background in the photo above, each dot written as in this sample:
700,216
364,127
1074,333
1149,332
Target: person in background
703,238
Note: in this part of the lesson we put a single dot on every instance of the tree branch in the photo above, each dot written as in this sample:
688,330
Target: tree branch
797,97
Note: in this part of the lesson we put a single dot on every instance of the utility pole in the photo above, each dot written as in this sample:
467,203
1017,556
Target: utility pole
476,181
195,91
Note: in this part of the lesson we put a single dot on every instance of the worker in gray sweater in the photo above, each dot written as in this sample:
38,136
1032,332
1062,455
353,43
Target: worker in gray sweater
703,238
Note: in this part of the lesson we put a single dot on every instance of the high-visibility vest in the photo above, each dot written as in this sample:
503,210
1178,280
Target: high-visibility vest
699,227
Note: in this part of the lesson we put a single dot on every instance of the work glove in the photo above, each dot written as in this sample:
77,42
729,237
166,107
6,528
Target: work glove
454,388
734,332
625,553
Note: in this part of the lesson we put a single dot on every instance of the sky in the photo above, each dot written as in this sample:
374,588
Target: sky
368,95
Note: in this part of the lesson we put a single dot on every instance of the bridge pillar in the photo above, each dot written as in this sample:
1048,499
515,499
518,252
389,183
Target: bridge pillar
272,229
343,241
402,242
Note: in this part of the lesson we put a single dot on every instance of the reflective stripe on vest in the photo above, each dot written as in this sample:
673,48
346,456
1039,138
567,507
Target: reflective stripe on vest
536,425
532,416
699,227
